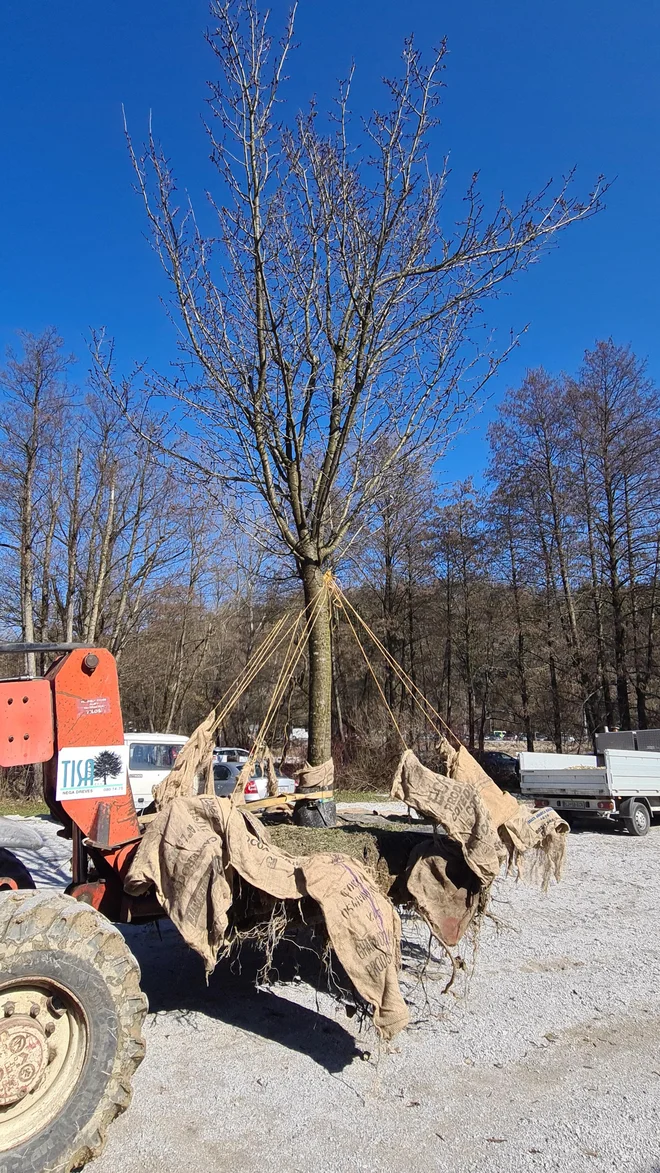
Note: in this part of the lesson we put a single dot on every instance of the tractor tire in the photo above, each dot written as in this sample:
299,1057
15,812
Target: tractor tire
13,873
635,818
71,1015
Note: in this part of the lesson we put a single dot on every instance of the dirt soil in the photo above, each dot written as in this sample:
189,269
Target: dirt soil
549,1059
384,848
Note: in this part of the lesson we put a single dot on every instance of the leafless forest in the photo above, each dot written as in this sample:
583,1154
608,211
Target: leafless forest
528,604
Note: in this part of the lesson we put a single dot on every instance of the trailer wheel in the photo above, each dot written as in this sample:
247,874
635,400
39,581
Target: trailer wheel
71,1014
635,817
13,873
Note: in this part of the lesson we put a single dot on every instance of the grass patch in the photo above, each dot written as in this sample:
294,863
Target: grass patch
22,806
384,852
361,796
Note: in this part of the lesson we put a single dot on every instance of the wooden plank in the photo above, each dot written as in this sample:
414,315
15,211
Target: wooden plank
285,799
264,803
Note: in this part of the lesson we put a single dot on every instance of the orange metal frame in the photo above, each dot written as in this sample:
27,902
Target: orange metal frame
76,704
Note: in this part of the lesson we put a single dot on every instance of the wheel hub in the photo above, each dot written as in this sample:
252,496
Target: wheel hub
23,1057
43,1043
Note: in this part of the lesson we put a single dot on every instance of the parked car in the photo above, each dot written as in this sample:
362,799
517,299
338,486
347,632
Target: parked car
225,777
620,782
230,753
150,759
501,767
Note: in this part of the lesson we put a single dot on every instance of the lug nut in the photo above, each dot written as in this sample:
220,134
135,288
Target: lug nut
34,1010
49,1029
9,1009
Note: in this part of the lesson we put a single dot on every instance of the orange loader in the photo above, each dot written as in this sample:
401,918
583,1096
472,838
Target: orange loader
71,1007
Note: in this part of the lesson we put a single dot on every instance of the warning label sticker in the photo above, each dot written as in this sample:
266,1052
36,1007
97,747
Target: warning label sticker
93,706
91,771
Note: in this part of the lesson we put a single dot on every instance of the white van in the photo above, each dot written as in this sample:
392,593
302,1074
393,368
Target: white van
150,759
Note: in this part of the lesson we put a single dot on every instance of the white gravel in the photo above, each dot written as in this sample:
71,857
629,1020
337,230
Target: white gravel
550,1061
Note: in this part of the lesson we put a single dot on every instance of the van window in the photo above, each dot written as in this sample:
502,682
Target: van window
152,757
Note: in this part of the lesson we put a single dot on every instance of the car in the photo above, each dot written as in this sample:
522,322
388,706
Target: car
150,759
225,777
502,767
230,753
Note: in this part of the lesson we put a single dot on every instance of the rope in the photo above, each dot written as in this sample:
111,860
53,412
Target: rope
376,680
425,706
295,649
288,668
253,667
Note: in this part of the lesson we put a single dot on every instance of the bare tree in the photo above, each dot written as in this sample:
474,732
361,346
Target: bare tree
34,397
89,521
330,308
614,413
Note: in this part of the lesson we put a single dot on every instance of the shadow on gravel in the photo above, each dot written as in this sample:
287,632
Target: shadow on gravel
592,827
605,827
173,980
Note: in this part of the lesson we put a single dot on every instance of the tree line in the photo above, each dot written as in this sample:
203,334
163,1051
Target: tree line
527,603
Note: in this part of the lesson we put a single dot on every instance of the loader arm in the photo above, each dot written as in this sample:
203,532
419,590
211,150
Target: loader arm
71,721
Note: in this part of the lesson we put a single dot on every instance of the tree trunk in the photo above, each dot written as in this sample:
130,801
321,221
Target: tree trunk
321,813
650,642
389,619
596,587
617,600
484,713
556,705
448,657
521,656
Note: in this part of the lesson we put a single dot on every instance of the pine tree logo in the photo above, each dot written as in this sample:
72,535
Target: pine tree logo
107,765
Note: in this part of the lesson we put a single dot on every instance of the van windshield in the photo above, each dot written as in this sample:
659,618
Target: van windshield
152,757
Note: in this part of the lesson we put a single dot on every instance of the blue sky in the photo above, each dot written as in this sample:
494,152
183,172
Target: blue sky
531,91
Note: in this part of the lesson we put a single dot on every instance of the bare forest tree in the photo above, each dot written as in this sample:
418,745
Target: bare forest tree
330,313
34,398
89,521
573,462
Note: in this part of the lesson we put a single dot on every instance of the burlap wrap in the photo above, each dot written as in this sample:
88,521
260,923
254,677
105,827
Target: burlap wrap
189,853
194,846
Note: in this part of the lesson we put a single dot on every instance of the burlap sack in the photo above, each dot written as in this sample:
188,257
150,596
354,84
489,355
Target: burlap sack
182,855
543,832
537,844
189,853
316,777
500,803
193,761
457,807
365,931
445,890
490,825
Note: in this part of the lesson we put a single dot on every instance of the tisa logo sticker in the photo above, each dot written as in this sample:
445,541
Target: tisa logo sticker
91,771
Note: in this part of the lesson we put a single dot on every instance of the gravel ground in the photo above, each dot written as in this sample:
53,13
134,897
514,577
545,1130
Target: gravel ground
547,1059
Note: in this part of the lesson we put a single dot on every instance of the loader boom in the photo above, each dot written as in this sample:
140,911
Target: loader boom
50,719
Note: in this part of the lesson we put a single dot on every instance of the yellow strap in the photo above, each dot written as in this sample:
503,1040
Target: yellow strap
284,799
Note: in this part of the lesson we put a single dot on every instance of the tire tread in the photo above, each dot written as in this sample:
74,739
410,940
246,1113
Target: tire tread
32,921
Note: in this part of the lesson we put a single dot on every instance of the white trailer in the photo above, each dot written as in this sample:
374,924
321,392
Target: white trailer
622,785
